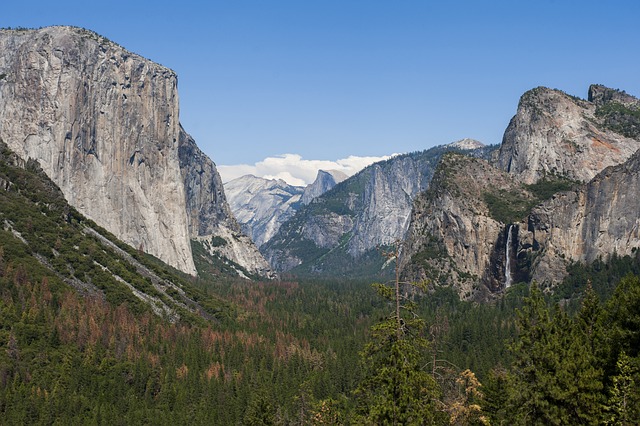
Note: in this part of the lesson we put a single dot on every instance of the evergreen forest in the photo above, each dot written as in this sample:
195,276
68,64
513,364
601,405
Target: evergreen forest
95,332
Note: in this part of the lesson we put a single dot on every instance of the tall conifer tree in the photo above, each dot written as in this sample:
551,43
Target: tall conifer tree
397,388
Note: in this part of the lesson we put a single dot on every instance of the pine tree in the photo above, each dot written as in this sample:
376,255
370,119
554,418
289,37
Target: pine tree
622,339
555,377
397,388
624,399
623,319
526,394
496,394
583,361
260,409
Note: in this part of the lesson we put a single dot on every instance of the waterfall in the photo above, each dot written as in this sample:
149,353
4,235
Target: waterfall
507,268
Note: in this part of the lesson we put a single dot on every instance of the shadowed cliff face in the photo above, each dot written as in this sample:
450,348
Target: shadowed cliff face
208,212
205,199
553,133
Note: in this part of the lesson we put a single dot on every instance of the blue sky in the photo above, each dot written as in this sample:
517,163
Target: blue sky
326,79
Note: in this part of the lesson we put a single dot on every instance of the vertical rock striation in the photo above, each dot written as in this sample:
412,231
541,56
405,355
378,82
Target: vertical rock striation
340,231
453,238
103,124
480,228
596,220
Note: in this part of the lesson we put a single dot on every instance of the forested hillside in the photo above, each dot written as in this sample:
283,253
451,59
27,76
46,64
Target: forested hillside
93,331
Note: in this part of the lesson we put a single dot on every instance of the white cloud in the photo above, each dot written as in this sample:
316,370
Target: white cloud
295,170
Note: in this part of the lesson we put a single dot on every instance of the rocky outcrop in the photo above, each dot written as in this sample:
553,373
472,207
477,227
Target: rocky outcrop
356,217
596,220
481,229
209,215
103,124
466,144
616,110
553,133
262,205
325,180
454,237
601,95
556,134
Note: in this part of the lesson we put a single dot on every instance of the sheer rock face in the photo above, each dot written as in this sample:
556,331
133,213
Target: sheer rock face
452,232
361,213
553,133
386,203
206,203
364,212
103,123
453,238
325,180
209,214
262,205
598,219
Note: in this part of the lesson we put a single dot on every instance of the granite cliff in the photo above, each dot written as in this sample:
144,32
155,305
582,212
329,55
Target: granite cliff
482,228
593,221
210,220
554,133
103,124
453,235
340,232
325,180
262,205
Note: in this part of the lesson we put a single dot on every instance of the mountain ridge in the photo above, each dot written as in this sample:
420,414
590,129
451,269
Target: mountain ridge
350,222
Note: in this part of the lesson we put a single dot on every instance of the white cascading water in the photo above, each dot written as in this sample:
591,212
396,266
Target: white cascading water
507,267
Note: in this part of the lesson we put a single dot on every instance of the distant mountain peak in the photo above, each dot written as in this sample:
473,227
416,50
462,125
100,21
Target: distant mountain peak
260,205
325,180
337,175
466,143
